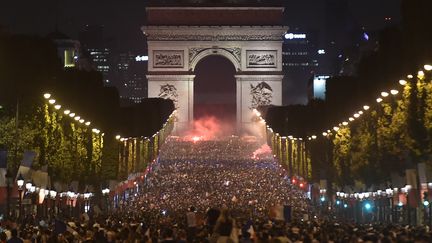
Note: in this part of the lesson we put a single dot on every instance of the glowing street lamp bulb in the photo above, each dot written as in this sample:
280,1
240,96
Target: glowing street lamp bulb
379,100
420,74
336,128
77,118
351,119
360,112
366,107
384,94
314,136
66,112
72,114
95,131
410,76
81,121
52,101
57,107
356,115
47,95
428,67
394,92
118,137
324,134
88,123
402,82
345,123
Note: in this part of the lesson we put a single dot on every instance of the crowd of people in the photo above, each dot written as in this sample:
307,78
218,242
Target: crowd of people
210,191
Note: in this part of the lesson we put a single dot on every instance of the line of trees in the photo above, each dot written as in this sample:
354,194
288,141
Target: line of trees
393,136
387,139
30,67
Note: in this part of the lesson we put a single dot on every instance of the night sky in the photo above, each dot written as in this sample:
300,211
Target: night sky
123,19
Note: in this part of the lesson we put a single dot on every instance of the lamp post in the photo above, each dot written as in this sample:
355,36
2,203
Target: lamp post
389,193
105,193
70,196
20,183
52,196
9,183
86,195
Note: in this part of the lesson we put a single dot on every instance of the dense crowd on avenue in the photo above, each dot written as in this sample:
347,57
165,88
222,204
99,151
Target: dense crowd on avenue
209,191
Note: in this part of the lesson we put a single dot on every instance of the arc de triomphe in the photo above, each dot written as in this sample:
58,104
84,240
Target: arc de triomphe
250,37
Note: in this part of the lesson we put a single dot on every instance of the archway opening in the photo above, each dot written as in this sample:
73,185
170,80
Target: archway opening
215,90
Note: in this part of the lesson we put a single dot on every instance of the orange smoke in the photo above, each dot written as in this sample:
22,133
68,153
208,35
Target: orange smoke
208,128
263,152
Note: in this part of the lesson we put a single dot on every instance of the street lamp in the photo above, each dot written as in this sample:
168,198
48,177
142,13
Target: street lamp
20,183
53,194
86,196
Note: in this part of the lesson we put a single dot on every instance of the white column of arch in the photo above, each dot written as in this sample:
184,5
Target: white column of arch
244,97
184,87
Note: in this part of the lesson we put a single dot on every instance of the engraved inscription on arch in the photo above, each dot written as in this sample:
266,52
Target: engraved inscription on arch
168,59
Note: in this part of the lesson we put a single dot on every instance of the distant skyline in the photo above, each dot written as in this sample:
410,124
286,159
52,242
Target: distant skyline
123,19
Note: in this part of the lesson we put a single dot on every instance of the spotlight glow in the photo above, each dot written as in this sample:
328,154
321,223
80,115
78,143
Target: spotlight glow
52,101
72,114
366,107
384,94
394,92
57,107
66,112
47,95
379,100
402,82
428,67
420,74
368,206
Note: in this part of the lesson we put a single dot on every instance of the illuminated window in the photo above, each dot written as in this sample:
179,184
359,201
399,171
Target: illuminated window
69,58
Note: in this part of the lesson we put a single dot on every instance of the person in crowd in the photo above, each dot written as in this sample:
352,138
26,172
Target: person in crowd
14,237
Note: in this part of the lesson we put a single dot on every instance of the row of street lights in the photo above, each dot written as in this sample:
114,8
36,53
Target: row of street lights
383,95
391,205
70,196
69,113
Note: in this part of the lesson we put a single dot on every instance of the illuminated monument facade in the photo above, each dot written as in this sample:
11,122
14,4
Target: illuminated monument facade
250,36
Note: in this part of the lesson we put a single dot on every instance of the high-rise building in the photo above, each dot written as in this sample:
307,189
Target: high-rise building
131,78
300,61
96,48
